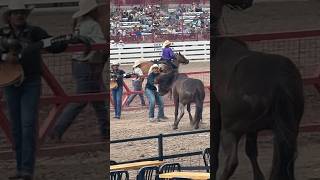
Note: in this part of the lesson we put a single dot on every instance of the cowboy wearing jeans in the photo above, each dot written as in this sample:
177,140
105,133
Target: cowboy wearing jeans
168,54
137,82
23,99
117,92
153,95
86,70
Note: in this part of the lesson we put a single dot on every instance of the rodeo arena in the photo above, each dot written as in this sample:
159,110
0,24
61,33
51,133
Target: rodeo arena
138,30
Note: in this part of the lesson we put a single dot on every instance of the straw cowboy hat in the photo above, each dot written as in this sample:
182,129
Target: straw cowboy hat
17,5
138,62
86,6
153,67
166,43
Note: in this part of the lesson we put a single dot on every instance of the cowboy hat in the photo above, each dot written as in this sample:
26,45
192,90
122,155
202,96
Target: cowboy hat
86,6
166,43
15,5
138,62
153,67
115,64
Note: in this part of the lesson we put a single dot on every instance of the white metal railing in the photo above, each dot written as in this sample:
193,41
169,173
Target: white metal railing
128,53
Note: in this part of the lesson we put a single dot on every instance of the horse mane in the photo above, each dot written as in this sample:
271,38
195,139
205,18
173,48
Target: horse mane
168,77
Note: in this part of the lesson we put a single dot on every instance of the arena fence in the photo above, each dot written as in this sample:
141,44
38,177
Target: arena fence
159,38
161,155
128,53
58,91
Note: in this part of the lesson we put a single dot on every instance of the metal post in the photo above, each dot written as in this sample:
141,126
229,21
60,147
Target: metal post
160,147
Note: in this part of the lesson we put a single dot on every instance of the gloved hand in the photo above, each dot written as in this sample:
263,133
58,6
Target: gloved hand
56,44
11,44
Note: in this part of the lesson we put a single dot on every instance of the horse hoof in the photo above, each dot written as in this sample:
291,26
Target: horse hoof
174,127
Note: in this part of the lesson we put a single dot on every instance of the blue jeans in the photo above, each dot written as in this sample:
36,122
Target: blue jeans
137,86
117,100
23,102
88,80
154,98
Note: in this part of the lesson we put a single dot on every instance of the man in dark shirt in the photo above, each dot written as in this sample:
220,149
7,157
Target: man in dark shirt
153,95
23,100
117,92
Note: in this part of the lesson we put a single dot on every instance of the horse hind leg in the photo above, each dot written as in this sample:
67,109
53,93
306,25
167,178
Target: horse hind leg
198,115
252,153
181,113
189,112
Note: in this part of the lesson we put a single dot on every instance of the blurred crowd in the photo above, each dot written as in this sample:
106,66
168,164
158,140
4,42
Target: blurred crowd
151,19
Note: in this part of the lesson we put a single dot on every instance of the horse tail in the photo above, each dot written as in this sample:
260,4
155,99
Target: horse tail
286,127
215,136
199,103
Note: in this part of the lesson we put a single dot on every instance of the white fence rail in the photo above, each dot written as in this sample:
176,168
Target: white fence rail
128,53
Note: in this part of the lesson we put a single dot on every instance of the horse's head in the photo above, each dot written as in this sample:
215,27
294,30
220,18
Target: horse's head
164,81
238,4
181,59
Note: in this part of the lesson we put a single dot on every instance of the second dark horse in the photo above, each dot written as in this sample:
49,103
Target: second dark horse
185,91
255,91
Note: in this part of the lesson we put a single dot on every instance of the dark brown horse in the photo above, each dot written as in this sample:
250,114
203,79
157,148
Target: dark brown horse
255,91
185,91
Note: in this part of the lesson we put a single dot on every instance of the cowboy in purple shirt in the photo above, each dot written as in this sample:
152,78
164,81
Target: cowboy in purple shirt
167,54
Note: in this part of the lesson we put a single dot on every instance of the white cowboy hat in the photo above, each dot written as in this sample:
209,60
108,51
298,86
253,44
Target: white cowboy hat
115,64
166,43
86,6
138,62
152,67
17,5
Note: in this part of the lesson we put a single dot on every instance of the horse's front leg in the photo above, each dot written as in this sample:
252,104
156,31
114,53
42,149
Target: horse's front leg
229,143
252,153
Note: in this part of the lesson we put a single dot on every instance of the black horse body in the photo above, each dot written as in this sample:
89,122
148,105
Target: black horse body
185,91
255,91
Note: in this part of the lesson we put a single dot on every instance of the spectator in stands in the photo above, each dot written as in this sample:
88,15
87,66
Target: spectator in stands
153,96
86,69
168,54
23,98
151,15
118,75
137,82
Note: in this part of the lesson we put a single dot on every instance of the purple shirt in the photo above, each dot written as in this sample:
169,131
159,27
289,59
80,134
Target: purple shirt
167,54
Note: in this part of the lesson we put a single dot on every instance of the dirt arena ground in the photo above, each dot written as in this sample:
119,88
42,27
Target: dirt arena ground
262,17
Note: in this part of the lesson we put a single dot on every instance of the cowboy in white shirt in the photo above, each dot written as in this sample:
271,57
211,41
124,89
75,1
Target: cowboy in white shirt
137,82
86,69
